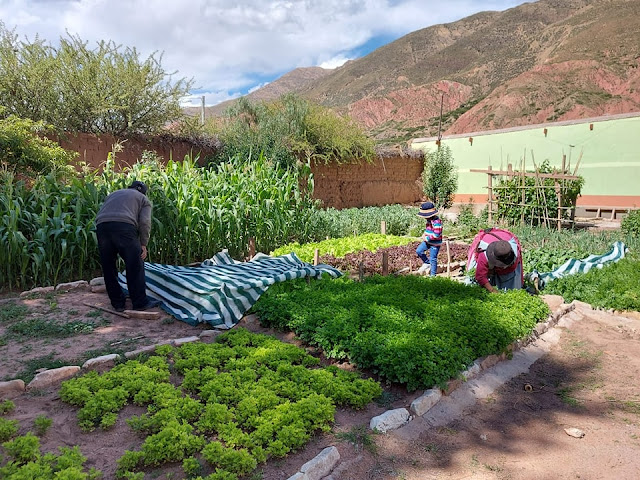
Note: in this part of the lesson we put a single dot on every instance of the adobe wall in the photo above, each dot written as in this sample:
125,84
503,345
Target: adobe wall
94,149
387,180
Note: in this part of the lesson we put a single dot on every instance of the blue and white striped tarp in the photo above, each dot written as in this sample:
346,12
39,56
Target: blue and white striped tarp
573,266
221,289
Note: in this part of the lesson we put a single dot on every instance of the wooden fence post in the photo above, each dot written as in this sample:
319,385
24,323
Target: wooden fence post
252,247
490,190
316,257
385,264
383,227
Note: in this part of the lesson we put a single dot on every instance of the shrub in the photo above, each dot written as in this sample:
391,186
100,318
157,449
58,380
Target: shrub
440,177
26,151
631,224
289,131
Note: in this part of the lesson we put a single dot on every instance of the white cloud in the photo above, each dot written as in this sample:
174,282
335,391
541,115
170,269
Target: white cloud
335,62
230,46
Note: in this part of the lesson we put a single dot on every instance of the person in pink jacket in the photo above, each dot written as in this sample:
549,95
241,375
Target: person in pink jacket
496,256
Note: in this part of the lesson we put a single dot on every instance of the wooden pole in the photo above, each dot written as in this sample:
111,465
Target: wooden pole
448,258
522,185
559,197
108,310
202,112
361,271
383,227
252,247
385,263
316,257
490,191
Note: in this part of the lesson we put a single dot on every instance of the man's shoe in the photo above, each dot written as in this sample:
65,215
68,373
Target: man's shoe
423,269
150,304
119,309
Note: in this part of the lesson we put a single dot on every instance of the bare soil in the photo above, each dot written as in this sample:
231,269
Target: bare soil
586,379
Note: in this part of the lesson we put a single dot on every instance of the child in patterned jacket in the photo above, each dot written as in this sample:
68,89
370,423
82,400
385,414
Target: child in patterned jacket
431,239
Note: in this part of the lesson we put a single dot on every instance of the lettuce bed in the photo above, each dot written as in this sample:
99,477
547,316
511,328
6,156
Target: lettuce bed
234,403
412,330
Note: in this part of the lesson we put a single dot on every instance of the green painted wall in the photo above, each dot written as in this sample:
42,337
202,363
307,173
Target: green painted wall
609,154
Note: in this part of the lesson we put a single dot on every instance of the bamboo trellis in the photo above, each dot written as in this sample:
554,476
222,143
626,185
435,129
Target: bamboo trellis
559,180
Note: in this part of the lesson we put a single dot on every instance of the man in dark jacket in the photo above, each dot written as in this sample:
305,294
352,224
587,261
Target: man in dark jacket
123,226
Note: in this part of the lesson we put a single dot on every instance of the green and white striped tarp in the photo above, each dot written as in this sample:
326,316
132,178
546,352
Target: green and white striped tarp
221,289
573,266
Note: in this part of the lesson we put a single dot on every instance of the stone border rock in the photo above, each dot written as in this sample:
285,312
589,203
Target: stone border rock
49,378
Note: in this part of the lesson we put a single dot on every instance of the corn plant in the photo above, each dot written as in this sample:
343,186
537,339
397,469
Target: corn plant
48,230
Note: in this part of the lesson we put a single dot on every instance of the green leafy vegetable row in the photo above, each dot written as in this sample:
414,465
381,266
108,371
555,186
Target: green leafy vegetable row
614,286
413,330
339,247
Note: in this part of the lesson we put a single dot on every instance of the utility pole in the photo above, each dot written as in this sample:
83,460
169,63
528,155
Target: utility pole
202,112
440,122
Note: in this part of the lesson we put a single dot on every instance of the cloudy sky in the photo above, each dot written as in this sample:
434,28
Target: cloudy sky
231,47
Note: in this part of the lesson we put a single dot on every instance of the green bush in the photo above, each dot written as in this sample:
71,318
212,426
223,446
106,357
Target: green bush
631,224
289,131
26,151
440,177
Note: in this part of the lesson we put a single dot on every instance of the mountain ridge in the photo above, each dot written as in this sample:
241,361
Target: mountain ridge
545,61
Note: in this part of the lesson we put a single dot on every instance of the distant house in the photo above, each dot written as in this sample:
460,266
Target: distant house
605,150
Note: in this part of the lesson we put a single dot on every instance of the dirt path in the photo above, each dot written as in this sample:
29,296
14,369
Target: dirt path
583,374
586,377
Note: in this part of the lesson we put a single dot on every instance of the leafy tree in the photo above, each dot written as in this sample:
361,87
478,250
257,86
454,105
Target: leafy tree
75,88
440,177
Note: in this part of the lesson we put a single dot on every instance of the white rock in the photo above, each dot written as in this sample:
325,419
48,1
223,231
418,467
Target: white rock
423,404
389,420
11,388
95,282
51,377
181,341
37,291
574,432
102,361
66,287
209,333
298,476
321,465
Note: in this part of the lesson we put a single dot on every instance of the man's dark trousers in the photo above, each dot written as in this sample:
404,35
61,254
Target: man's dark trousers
119,238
